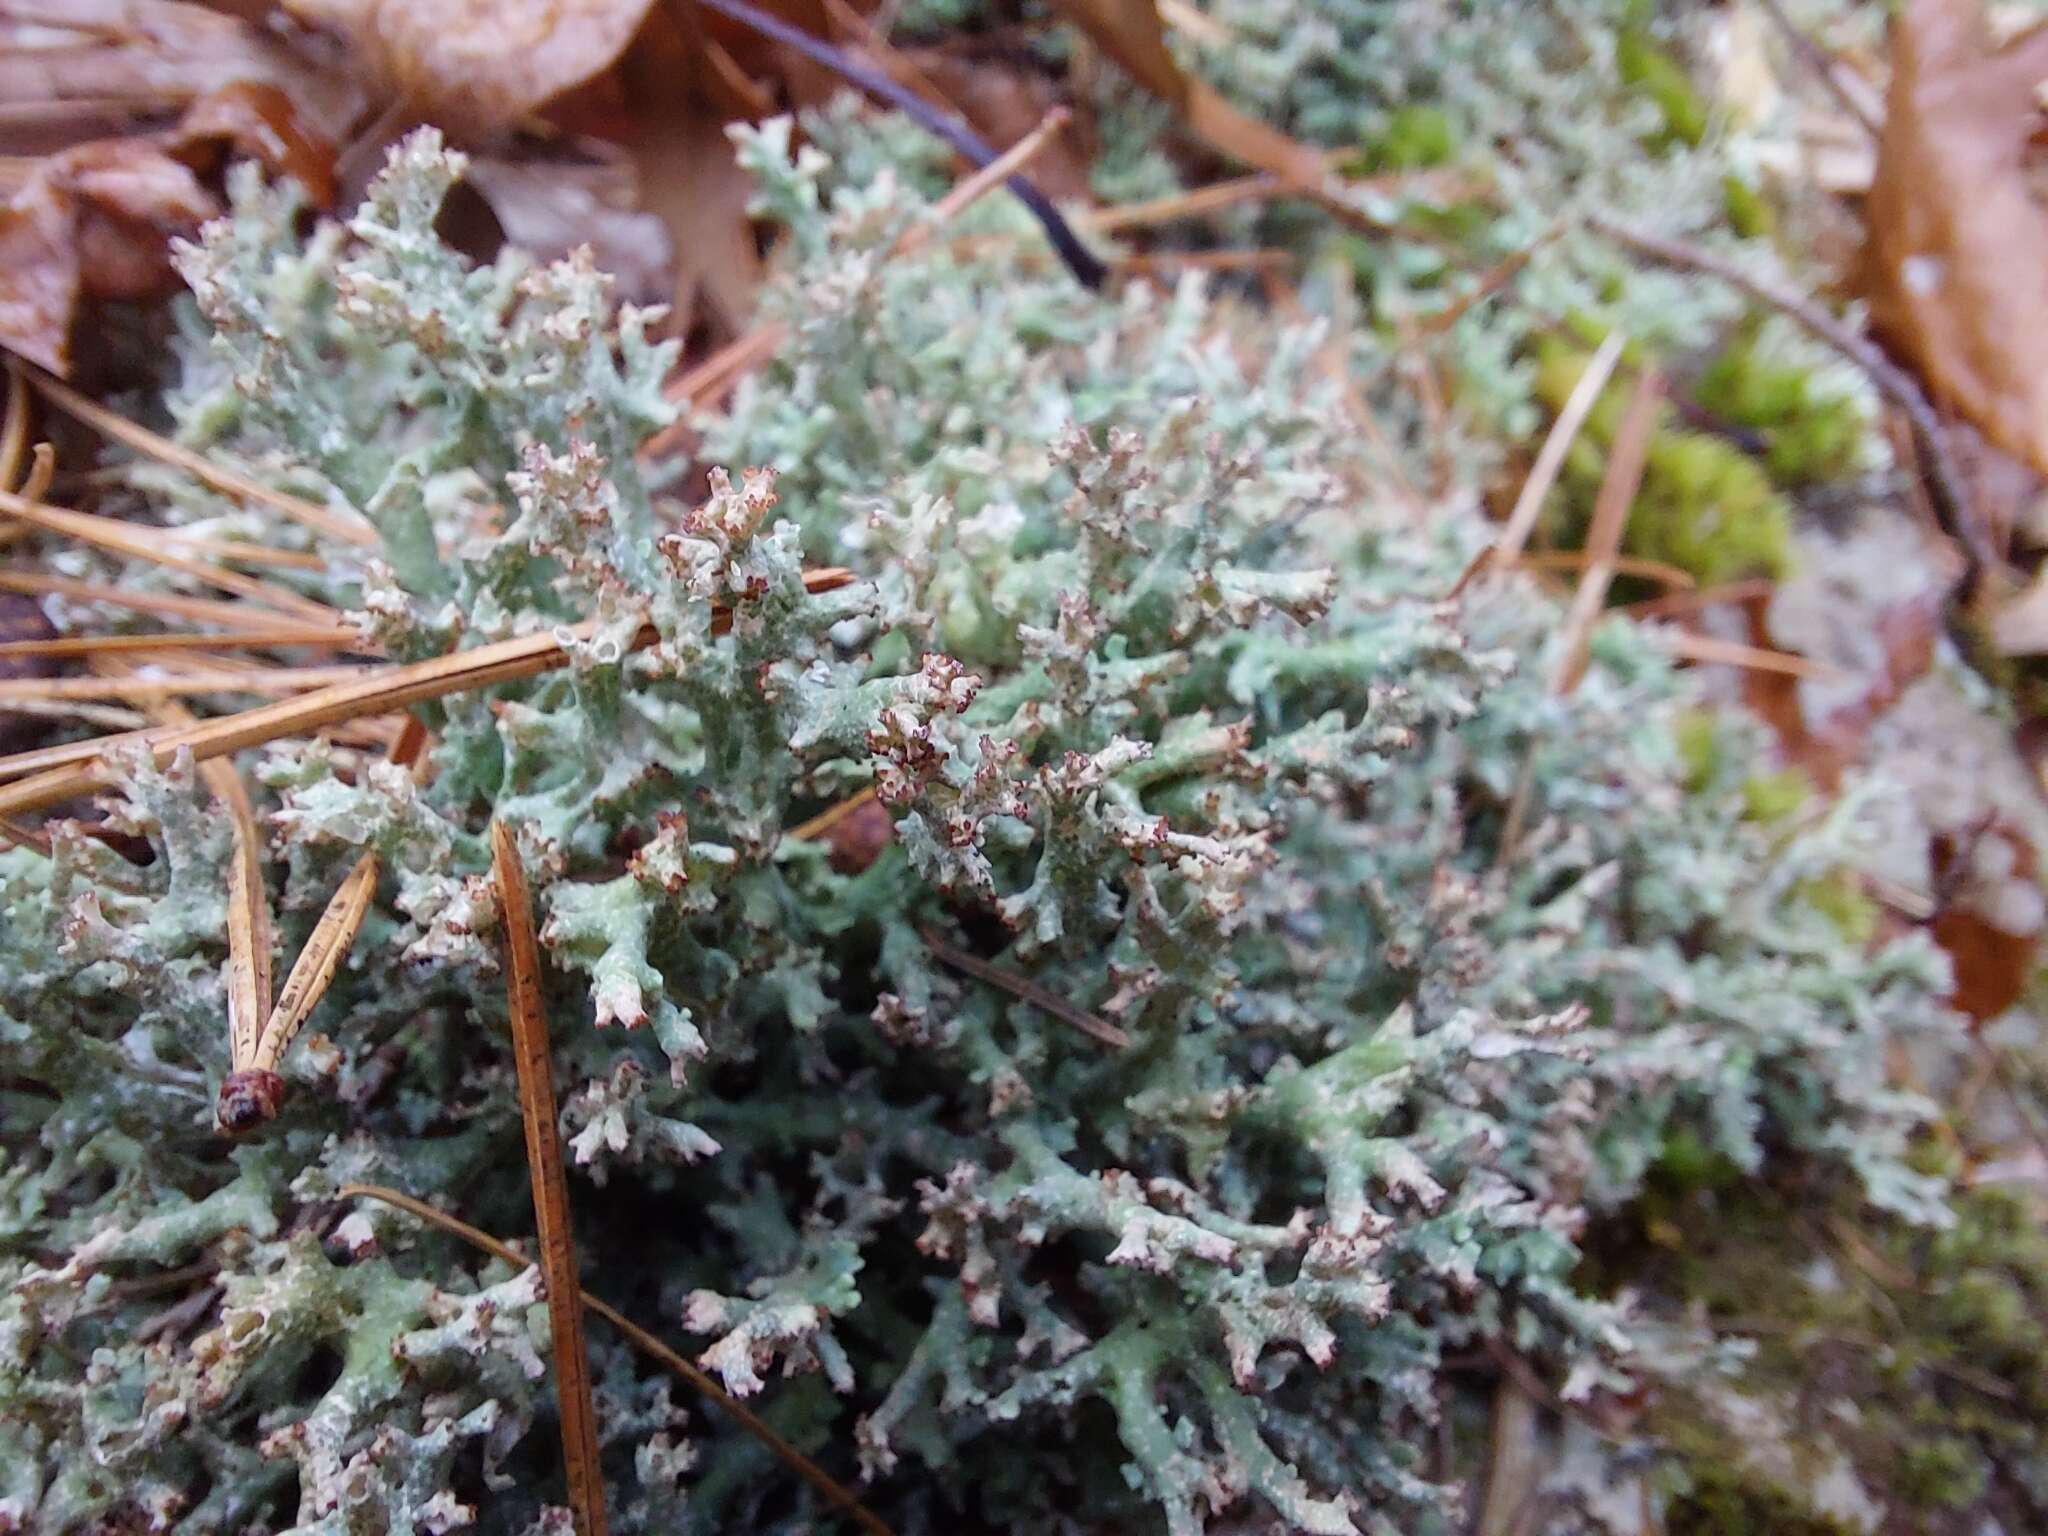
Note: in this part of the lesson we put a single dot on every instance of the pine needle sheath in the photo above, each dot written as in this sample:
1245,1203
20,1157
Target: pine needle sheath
837,1492
254,1089
550,1186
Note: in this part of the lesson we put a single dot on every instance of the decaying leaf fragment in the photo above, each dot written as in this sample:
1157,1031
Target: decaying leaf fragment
1953,261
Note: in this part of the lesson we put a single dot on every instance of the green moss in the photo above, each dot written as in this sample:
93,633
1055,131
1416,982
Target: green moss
1417,137
1657,75
1842,900
1774,797
1940,1340
1698,737
1705,506
1750,214
1810,436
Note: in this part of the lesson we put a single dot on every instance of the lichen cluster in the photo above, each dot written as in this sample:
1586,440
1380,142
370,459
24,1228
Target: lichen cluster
1377,969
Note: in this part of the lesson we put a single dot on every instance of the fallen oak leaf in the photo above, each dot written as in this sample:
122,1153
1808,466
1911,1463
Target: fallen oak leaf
1951,262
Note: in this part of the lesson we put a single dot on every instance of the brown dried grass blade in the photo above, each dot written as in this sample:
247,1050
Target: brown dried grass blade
999,170
1041,998
199,610
1618,489
1690,599
42,469
233,484
838,1493
35,486
388,690
550,1186
1514,536
137,543
31,838
1490,282
268,680
1675,577
13,428
312,636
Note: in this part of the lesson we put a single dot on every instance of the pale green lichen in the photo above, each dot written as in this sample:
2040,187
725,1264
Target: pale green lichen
1169,718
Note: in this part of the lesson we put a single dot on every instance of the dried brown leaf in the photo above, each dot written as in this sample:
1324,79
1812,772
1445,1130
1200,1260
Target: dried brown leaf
1132,33
92,222
551,205
481,65
1953,258
261,121
102,64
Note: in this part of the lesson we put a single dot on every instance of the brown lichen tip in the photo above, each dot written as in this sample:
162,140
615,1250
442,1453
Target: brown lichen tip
247,1100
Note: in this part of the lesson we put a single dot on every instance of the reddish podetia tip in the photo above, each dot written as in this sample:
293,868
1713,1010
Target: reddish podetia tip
247,1100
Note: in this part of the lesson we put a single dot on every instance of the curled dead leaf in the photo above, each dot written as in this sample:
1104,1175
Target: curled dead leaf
1952,261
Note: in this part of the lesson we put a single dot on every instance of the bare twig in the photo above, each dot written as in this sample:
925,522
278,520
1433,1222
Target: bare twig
550,1186
1041,998
840,1495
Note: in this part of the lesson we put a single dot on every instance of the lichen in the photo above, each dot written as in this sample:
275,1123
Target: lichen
1171,721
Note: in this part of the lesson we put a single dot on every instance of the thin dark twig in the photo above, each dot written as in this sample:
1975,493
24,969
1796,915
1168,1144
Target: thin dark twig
1944,482
1087,270
1030,991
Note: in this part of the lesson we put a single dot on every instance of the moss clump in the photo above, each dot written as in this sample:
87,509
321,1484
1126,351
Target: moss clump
1775,796
1809,436
1705,506
1940,1340
1658,76
1417,137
